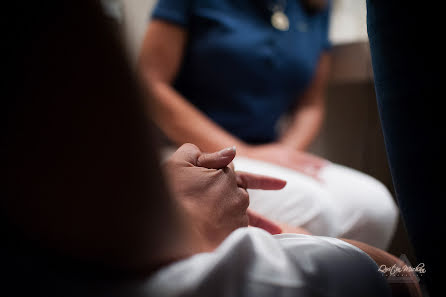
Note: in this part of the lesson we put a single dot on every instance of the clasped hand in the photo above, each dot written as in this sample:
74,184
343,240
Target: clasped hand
213,195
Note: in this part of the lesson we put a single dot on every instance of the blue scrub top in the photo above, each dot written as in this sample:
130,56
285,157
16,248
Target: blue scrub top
237,68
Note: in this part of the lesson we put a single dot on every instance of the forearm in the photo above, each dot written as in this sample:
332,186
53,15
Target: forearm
308,117
182,122
409,288
304,127
160,61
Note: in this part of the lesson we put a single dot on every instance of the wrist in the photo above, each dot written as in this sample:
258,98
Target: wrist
288,142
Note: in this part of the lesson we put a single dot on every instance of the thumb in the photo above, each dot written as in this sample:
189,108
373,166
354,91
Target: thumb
217,160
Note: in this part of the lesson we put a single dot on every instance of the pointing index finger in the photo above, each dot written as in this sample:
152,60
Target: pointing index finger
256,181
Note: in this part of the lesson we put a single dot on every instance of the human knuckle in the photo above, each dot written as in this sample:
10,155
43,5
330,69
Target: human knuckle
190,149
188,146
243,198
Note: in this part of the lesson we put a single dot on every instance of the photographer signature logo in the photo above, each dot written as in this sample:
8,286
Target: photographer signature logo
403,273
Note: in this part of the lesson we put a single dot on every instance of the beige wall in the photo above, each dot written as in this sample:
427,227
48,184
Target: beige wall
348,22
135,17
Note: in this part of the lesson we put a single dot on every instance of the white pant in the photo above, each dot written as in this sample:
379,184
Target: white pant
347,203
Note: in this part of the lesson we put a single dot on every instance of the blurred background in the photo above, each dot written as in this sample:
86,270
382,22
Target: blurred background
351,134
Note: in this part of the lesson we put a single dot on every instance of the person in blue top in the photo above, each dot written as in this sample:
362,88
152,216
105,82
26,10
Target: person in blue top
252,74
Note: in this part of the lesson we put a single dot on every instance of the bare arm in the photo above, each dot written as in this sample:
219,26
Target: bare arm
307,119
408,289
160,60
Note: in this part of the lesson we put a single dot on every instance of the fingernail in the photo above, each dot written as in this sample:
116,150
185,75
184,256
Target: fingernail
227,152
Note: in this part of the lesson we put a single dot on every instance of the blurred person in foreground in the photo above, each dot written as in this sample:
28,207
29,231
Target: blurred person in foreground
225,73
409,87
87,211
